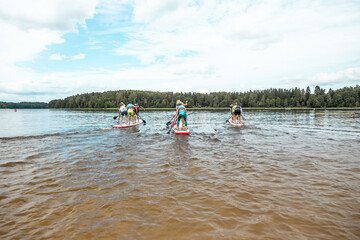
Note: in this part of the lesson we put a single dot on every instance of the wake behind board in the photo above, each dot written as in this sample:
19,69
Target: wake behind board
181,132
236,124
128,125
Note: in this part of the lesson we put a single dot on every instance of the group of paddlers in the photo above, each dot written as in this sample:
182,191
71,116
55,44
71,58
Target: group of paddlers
131,113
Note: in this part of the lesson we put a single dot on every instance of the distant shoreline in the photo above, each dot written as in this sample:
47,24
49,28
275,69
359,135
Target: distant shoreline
212,109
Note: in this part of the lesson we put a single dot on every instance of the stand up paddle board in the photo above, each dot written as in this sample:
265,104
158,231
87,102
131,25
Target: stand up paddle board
235,124
181,132
128,125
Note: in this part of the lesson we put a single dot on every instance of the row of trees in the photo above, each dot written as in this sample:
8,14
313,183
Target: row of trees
23,105
295,97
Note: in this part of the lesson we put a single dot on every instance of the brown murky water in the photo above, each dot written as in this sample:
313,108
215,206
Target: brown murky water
286,175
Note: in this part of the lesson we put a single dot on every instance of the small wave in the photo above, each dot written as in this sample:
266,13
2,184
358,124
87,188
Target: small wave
13,164
106,128
29,137
36,156
16,138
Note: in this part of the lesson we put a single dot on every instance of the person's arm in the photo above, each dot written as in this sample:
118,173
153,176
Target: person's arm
185,103
142,108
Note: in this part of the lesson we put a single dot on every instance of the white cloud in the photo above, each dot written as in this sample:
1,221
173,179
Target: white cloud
18,45
57,56
59,15
147,10
238,43
348,75
79,56
185,45
26,29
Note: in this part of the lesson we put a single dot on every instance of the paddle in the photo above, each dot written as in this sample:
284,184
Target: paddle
172,125
243,117
169,122
116,118
143,121
227,120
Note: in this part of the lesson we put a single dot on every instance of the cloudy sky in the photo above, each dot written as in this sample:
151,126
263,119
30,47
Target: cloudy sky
55,48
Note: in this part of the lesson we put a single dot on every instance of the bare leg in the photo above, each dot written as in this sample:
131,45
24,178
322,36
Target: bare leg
120,120
126,120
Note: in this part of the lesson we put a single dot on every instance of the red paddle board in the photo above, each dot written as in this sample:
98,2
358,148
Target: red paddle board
128,125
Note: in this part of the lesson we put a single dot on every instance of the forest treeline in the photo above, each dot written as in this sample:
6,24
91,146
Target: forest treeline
280,98
23,105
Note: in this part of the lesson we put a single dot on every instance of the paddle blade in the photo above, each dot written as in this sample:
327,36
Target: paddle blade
115,117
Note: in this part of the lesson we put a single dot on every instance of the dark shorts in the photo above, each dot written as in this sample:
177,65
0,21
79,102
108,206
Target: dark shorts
237,112
124,113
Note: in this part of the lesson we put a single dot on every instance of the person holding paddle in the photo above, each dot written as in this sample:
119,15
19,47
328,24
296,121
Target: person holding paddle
177,106
131,113
137,106
181,113
123,112
236,111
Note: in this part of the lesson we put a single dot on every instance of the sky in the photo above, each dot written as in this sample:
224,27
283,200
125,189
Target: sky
58,48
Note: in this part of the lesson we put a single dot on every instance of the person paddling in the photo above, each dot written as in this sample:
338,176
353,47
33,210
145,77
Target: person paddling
123,112
231,112
137,110
236,112
177,106
131,113
181,113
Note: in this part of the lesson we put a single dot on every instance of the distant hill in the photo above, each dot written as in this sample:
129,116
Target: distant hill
23,105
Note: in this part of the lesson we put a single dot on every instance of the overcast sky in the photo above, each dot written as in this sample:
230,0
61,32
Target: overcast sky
56,48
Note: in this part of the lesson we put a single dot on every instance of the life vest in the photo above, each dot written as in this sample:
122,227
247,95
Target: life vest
181,108
236,108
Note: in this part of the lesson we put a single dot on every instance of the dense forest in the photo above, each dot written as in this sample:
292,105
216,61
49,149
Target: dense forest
23,105
279,98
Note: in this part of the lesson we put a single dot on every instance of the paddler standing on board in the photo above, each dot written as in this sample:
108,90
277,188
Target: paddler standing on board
236,112
131,113
181,114
177,106
123,112
137,110
231,112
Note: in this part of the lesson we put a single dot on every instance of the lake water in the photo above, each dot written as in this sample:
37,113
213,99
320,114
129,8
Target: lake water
285,175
